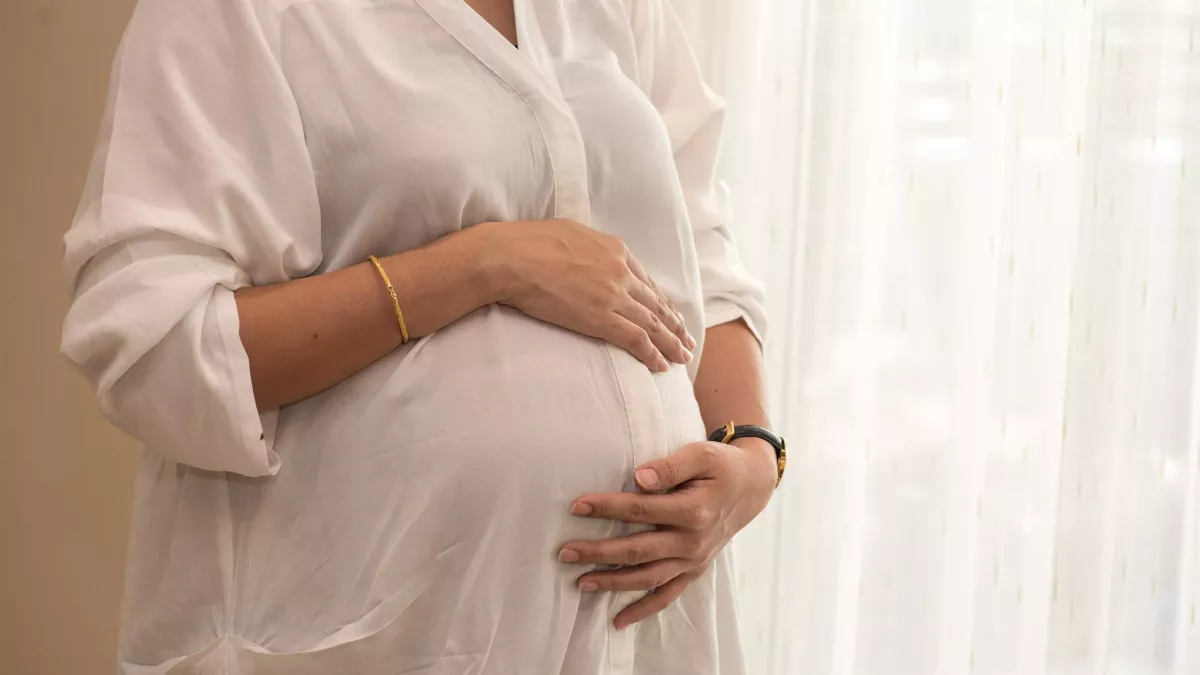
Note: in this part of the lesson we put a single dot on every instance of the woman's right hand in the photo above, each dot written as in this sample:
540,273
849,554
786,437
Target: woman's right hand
570,275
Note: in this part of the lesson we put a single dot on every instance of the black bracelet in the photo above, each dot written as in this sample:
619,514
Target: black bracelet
729,432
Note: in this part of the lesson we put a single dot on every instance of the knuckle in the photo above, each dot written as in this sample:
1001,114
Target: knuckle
694,546
701,517
655,580
636,554
710,454
601,305
664,309
627,335
613,328
644,343
618,271
670,470
673,322
637,509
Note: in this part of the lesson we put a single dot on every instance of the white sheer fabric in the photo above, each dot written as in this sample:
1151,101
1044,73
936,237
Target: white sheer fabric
979,221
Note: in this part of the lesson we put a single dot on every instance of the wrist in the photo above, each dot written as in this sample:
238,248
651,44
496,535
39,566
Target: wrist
487,272
493,274
761,454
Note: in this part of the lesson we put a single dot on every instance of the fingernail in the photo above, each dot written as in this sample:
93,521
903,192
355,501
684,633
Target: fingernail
589,586
687,356
581,509
647,478
691,341
568,556
663,366
620,625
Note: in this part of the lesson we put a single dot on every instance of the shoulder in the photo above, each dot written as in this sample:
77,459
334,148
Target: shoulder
179,17
180,11
205,26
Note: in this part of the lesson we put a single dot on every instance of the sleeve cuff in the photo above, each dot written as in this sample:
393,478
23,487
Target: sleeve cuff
257,430
720,310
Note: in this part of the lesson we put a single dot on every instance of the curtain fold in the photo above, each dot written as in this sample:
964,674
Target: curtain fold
979,224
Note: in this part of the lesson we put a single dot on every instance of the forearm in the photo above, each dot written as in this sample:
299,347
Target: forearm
306,335
731,384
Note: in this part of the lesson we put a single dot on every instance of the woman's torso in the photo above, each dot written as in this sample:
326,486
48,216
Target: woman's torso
414,523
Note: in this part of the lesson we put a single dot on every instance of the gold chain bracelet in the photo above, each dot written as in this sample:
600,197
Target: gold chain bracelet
395,300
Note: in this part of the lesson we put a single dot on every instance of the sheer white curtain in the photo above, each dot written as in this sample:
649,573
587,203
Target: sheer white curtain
979,222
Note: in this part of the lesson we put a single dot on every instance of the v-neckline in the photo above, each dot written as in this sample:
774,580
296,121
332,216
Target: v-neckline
489,26
529,69
526,65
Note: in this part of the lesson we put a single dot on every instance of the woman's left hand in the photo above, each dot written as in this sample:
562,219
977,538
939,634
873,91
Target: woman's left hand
715,489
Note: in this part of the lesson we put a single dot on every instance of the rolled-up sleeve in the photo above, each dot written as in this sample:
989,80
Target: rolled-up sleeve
694,117
201,185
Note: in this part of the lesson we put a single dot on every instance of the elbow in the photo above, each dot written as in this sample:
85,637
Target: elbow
178,383
189,422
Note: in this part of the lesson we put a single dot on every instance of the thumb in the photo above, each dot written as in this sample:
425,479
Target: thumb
690,462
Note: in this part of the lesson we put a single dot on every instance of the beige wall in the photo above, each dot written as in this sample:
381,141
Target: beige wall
65,475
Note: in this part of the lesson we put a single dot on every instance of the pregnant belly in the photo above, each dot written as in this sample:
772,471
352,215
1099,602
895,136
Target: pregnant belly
501,399
451,465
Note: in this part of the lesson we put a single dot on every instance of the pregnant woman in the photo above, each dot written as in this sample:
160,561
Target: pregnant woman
422,309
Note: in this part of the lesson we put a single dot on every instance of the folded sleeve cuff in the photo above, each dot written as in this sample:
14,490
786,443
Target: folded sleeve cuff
722,310
256,455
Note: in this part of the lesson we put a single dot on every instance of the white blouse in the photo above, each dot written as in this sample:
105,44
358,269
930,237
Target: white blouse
406,520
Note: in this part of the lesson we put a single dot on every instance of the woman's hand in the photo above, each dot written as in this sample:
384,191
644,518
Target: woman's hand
586,281
716,490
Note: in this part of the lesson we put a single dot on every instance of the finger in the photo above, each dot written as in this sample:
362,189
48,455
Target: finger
660,304
657,305
679,509
634,339
639,578
692,461
667,342
636,549
654,602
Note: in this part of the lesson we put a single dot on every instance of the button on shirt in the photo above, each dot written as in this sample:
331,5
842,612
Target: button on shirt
407,519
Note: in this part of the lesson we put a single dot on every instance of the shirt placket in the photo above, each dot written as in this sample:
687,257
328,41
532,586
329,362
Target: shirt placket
643,405
647,431
564,142
530,72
